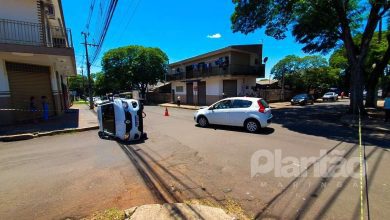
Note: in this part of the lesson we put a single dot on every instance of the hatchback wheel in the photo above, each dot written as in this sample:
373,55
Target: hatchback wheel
252,125
202,121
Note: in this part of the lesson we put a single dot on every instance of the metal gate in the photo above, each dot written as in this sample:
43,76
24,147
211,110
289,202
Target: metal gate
26,81
190,93
230,88
202,93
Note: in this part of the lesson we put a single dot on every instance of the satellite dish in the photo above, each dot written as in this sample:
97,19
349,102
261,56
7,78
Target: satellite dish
265,59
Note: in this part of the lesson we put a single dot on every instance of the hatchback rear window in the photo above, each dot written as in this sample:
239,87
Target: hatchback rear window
264,103
239,103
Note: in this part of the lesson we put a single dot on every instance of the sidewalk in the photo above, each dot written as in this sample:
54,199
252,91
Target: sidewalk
176,211
78,118
170,105
372,123
275,105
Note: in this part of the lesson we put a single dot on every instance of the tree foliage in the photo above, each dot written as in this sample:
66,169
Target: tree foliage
375,55
77,84
320,25
131,67
306,73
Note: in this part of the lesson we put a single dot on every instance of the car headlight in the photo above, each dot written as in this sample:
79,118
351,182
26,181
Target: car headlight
292,100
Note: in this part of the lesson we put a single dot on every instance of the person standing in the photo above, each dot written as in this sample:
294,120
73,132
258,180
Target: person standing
33,108
45,108
387,107
178,101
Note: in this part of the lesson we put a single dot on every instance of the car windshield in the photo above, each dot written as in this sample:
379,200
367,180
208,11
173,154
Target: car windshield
329,93
300,96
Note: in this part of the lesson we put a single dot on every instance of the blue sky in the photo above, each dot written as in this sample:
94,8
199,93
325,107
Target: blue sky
179,27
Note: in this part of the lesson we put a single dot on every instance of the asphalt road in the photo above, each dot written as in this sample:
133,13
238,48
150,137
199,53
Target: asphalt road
76,174
67,176
215,163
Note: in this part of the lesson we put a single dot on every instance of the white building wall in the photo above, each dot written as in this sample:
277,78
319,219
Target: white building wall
175,84
214,86
21,10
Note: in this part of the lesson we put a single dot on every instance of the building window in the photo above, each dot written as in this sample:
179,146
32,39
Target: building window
179,89
50,10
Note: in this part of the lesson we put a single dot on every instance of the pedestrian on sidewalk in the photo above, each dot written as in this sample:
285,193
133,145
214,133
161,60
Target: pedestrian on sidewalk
45,108
33,109
387,107
178,101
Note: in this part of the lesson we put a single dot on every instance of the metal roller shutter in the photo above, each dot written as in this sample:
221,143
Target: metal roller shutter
230,88
190,93
202,93
26,80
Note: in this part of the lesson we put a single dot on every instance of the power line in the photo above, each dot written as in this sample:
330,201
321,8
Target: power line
104,28
91,7
130,18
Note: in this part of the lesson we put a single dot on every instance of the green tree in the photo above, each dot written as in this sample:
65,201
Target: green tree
306,74
320,25
77,84
373,68
101,86
134,67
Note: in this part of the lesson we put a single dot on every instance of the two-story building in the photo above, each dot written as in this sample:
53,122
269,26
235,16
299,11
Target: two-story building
36,58
207,78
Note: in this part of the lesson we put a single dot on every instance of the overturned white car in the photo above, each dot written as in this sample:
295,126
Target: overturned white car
121,119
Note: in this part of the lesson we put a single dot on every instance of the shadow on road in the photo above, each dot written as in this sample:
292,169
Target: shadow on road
263,131
323,121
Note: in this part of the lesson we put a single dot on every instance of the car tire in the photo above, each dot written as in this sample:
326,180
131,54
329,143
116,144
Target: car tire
252,125
202,121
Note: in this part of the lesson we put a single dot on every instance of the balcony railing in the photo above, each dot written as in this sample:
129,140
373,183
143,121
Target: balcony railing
34,34
217,71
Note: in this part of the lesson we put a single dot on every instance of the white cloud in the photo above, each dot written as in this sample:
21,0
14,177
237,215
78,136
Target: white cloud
214,36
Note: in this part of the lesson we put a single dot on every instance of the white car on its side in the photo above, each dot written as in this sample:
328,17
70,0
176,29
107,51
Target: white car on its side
250,113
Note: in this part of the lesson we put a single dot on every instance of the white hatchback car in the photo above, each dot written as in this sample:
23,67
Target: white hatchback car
250,113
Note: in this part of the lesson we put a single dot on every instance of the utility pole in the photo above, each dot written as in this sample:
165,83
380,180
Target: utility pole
283,78
88,69
82,75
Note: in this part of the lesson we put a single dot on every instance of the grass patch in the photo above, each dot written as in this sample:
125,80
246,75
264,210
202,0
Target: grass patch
80,102
229,205
109,214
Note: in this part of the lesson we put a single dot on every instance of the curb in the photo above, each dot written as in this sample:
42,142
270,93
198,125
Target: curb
366,127
174,106
27,136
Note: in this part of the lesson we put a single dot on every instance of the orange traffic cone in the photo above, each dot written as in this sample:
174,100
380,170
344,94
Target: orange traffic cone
166,112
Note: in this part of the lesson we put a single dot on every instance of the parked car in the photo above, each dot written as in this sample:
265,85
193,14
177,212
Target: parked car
302,99
250,113
99,101
330,96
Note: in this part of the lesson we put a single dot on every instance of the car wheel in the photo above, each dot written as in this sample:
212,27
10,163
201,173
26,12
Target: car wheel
203,122
252,125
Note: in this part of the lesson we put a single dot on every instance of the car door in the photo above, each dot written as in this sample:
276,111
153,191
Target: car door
218,112
238,112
